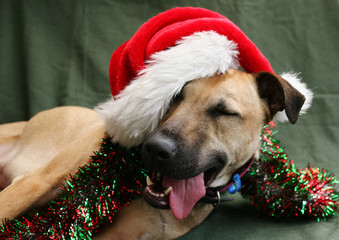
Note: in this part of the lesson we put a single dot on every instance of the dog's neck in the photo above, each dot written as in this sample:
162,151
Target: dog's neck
213,194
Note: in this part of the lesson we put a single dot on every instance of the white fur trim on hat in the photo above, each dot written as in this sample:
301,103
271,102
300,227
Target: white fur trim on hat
296,82
138,109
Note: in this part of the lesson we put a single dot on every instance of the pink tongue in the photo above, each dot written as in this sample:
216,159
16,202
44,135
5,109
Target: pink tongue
185,194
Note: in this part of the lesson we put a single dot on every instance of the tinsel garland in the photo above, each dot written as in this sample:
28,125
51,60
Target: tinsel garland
94,194
114,176
277,188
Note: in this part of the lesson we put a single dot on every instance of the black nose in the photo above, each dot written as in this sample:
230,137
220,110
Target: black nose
159,150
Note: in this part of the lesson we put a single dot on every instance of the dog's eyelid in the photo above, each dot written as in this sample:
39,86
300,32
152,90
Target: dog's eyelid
221,109
231,113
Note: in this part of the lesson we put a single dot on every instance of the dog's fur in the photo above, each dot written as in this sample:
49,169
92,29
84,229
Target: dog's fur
214,123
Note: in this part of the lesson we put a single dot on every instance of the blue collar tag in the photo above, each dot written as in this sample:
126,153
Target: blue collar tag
236,186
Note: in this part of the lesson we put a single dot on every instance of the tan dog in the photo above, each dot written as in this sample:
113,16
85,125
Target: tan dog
212,127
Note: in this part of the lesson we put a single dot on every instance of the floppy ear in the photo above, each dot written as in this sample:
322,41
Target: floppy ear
280,95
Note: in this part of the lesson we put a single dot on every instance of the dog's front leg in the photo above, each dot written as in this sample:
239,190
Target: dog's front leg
41,185
22,194
140,221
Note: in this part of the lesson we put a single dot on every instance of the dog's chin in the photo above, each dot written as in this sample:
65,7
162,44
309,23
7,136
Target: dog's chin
158,196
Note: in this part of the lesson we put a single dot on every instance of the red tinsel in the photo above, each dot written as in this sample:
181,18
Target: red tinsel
277,188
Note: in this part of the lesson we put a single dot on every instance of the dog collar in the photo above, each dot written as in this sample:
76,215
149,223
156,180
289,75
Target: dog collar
213,194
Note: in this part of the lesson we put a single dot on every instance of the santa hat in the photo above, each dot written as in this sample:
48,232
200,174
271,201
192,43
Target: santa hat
171,49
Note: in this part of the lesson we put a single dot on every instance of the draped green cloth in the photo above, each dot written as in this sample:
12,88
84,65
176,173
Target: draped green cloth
56,52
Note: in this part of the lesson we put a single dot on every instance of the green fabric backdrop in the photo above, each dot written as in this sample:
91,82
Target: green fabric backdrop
56,52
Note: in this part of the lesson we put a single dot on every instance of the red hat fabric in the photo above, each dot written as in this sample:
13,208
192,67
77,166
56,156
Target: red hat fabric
164,30
172,48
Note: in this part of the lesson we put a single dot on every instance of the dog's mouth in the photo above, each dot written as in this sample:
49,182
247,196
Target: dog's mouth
180,195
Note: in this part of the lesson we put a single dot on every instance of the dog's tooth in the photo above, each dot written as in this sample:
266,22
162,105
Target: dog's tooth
158,176
162,195
168,190
149,181
148,189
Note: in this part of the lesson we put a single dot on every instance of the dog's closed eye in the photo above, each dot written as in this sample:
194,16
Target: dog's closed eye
221,109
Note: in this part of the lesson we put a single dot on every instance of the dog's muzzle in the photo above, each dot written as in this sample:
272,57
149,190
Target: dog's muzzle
170,169
173,157
178,179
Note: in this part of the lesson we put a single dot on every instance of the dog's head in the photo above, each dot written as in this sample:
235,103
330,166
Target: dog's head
211,130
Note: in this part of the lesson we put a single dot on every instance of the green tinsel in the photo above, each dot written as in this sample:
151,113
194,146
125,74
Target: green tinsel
113,177
277,188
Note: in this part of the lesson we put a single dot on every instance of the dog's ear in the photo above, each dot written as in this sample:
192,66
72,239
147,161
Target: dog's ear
279,95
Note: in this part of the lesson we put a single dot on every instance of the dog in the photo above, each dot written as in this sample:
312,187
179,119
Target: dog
211,130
